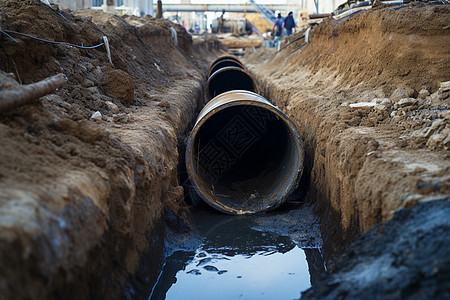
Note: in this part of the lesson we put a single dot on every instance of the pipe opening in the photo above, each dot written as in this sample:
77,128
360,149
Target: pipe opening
228,79
225,63
244,159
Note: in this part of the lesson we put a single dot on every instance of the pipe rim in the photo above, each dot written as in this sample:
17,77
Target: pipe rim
214,106
226,57
225,69
210,72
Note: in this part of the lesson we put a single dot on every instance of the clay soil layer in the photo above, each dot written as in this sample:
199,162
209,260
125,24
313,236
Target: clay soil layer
82,199
370,95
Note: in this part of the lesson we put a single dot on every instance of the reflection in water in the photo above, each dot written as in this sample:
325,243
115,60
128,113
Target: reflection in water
237,262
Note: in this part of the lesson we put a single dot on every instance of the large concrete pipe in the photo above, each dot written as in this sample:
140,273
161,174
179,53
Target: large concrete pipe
224,63
243,155
228,79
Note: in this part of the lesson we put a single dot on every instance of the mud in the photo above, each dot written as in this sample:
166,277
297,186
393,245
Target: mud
82,201
404,258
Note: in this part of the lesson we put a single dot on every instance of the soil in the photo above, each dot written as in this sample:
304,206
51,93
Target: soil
84,199
370,95
415,266
365,160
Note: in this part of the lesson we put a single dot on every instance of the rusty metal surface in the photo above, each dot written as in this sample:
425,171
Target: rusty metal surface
216,80
240,113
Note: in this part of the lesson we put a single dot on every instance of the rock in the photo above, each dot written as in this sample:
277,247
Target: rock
97,116
436,140
445,115
120,85
112,107
364,96
94,90
441,137
57,100
194,272
211,268
401,93
435,96
89,66
65,125
164,104
405,102
88,83
411,200
123,118
382,101
445,86
97,72
428,131
437,124
423,93
446,143
89,132
82,68
362,105
444,95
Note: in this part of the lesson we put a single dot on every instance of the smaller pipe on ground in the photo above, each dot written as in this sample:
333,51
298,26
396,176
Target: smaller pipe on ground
10,99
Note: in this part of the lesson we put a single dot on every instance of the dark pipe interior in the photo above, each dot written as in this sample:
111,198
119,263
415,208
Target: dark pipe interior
242,151
228,79
225,63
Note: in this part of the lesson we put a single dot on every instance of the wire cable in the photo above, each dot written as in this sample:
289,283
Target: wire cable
8,35
46,41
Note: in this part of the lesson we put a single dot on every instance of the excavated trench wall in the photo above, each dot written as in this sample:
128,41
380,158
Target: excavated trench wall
358,168
83,200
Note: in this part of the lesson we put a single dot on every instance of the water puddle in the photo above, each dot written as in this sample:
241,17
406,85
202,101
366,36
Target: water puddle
236,257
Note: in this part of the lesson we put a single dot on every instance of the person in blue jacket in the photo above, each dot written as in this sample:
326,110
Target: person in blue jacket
277,30
289,23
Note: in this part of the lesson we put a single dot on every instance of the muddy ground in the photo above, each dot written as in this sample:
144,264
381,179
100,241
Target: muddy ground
83,200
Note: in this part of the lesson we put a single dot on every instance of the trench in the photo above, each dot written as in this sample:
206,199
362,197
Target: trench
276,255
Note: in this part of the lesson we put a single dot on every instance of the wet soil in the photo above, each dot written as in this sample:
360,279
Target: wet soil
84,202
405,258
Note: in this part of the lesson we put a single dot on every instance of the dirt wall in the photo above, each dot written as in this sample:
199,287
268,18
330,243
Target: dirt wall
369,95
83,197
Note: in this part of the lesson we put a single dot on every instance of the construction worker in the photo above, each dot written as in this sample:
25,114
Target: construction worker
277,30
289,23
